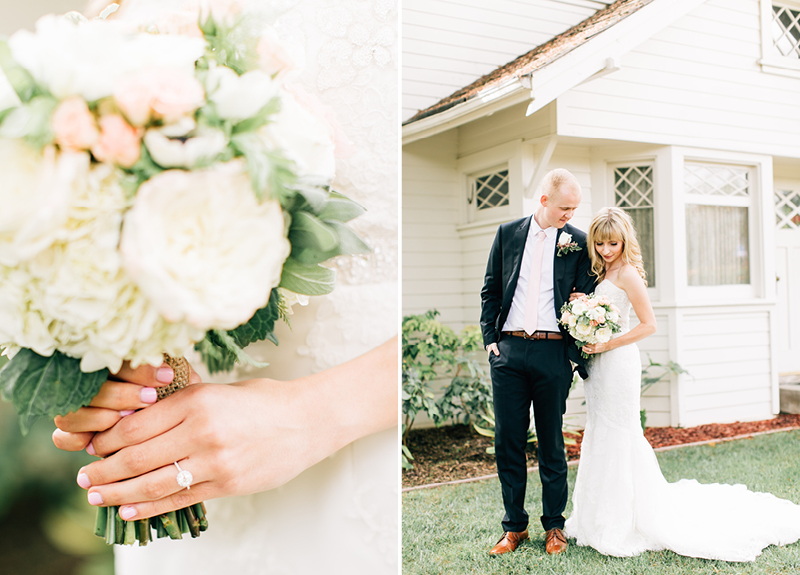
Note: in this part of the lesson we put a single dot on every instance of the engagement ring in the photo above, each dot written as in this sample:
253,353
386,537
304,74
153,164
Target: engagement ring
184,478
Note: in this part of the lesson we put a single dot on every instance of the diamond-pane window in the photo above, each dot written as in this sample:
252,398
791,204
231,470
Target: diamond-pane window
491,190
711,180
633,192
786,30
787,209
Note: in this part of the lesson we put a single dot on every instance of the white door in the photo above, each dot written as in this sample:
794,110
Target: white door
787,239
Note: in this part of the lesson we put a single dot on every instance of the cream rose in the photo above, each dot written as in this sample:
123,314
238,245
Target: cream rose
583,329
304,137
564,239
272,56
178,152
203,257
239,97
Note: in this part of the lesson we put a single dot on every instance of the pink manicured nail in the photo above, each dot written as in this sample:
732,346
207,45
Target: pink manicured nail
83,481
127,513
95,498
127,412
165,375
90,449
148,395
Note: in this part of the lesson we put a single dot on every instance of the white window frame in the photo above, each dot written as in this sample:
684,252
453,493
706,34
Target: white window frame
473,213
771,60
754,223
651,162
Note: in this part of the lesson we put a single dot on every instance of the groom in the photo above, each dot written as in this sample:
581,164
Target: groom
534,264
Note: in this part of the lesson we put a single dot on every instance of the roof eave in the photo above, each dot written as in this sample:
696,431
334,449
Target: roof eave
550,81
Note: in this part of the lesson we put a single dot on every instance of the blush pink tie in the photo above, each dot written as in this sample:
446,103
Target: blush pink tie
534,279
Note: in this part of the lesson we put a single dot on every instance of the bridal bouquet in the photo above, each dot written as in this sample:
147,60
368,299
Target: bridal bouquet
590,319
161,188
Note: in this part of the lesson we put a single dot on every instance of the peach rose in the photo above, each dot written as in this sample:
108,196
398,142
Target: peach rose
272,56
165,93
119,142
73,125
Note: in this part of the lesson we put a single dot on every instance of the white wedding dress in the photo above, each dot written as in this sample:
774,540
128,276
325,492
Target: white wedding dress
622,505
340,516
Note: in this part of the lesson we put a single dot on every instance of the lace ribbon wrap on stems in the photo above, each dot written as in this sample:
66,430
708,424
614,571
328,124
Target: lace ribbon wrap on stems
174,524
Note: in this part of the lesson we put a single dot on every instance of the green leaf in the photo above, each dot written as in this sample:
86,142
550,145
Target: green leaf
309,231
47,386
229,344
260,118
262,325
20,79
340,209
307,280
349,242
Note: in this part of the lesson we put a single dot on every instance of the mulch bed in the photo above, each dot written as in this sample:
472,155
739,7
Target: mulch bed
458,452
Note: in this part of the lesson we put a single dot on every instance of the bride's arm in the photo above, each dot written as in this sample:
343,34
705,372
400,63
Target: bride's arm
630,281
240,438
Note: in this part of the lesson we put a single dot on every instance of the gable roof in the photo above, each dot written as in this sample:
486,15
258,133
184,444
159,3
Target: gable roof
540,56
549,70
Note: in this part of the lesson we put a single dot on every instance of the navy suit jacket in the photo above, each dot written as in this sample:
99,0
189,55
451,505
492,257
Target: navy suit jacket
571,272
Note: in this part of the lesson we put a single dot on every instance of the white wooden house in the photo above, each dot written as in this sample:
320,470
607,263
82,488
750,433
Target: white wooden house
684,112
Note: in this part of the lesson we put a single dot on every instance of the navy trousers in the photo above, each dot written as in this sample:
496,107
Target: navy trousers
528,372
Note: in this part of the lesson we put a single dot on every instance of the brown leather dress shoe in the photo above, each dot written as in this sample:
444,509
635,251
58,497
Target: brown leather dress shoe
508,542
555,541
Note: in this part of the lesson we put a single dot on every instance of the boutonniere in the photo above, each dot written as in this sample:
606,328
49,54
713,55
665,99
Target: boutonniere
566,245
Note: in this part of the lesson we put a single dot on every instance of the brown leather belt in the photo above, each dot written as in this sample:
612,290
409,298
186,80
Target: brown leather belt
535,335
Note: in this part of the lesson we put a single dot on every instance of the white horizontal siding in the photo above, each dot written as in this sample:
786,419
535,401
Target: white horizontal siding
431,246
447,44
503,126
695,83
727,356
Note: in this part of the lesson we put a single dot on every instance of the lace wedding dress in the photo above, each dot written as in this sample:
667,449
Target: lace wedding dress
340,516
622,505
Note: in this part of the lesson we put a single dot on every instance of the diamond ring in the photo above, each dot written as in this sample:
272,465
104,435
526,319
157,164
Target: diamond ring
184,478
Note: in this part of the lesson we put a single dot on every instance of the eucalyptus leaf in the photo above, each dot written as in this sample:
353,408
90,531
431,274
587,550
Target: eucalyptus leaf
340,209
307,280
308,230
47,386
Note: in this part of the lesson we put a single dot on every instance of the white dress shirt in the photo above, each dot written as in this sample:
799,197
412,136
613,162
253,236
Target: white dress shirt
547,313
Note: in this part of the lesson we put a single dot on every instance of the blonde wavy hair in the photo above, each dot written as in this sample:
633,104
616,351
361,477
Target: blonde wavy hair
613,224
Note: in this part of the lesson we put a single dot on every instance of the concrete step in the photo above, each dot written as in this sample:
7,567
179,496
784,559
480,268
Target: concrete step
790,392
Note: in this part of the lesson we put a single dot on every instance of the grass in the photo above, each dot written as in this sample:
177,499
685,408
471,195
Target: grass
450,529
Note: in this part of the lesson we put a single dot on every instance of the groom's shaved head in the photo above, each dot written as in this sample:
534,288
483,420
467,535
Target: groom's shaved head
558,181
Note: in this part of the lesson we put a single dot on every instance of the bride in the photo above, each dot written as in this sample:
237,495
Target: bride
304,467
622,505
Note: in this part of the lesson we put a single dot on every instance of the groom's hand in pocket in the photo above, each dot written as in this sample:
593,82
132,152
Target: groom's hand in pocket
492,348
125,392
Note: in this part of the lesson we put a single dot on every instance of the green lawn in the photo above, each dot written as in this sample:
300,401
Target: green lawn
450,529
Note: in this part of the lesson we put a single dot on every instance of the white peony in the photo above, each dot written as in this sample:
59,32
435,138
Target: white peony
613,316
201,256
304,137
239,97
74,295
603,334
88,58
34,191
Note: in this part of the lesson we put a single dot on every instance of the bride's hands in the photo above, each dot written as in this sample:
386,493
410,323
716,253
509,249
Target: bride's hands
125,392
593,348
239,438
